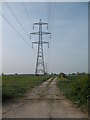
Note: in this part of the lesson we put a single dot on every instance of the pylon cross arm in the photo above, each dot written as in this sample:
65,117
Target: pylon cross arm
34,33
35,43
35,23
44,33
37,33
45,43
45,23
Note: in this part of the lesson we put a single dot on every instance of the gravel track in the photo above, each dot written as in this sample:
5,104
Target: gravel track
44,101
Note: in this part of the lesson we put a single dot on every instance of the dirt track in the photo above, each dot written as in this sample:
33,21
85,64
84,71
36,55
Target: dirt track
49,103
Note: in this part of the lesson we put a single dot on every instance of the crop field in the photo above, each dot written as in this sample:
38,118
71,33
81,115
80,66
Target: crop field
16,85
75,89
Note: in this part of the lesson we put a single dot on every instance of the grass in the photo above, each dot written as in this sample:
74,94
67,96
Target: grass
16,86
75,89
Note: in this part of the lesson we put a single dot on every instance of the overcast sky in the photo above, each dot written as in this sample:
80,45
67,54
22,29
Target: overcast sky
68,23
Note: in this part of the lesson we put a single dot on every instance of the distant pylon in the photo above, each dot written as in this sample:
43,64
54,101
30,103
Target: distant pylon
40,67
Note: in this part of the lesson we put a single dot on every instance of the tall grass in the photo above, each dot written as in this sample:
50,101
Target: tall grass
16,86
76,89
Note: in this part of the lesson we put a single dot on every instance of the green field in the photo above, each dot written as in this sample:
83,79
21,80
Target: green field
16,85
75,89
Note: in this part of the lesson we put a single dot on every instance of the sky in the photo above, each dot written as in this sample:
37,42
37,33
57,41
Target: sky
68,24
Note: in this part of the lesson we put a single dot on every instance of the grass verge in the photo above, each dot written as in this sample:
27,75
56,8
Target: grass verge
75,89
16,86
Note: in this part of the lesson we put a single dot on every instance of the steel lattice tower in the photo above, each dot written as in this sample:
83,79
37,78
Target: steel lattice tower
40,68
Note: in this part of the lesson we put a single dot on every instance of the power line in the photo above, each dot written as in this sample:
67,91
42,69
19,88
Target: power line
28,17
16,18
26,13
49,22
51,12
15,29
52,15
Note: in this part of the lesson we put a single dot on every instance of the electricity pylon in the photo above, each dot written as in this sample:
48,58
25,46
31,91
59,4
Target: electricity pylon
40,67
